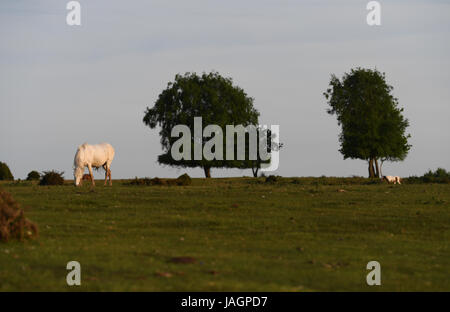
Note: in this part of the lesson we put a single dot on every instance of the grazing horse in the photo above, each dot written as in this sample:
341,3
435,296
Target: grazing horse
391,179
99,155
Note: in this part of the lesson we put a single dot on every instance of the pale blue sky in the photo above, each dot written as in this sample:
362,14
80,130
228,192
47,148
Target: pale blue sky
61,86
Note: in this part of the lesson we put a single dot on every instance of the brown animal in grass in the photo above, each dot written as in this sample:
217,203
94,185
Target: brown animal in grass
86,177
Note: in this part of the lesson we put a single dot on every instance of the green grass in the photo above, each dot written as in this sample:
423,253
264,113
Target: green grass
246,235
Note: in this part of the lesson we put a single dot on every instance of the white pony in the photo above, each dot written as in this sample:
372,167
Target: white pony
99,155
391,179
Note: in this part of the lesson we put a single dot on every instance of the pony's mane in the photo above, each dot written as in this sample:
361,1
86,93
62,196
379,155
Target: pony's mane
78,156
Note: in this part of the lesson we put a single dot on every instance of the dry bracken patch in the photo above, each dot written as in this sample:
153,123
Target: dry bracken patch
13,224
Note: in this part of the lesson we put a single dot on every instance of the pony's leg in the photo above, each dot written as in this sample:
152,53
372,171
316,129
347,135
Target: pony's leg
92,176
106,172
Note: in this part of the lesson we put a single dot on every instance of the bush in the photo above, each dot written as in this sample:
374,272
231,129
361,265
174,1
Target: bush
52,178
170,182
272,179
5,173
184,179
438,176
317,180
157,181
137,181
13,224
147,181
181,180
33,175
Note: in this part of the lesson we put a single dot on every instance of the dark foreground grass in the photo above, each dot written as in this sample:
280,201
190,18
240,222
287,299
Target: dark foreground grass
243,235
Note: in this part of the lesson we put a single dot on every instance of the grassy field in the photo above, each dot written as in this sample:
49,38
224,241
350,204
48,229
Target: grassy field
240,234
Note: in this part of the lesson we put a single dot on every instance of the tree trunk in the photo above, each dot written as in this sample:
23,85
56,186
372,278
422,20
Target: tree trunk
255,170
207,172
371,170
377,169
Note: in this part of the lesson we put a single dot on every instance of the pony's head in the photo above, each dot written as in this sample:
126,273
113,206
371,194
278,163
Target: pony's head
77,175
78,165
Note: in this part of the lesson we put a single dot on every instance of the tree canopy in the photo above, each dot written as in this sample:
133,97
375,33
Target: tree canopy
33,175
372,124
210,96
5,173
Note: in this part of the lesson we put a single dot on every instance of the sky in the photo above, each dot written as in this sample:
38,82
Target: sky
61,85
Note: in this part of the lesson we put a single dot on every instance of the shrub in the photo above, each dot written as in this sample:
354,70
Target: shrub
5,173
170,182
320,180
272,179
440,175
181,180
33,175
184,179
146,181
52,178
13,224
156,181
137,181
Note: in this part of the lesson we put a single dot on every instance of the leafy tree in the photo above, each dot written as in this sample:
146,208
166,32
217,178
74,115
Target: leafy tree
373,127
33,175
210,96
5,173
